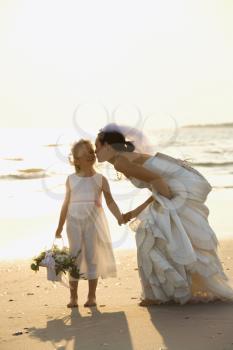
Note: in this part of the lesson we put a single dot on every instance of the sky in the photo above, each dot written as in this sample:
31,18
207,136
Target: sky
66,62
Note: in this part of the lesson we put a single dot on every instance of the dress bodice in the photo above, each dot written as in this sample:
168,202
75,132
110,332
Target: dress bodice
85,189
178,174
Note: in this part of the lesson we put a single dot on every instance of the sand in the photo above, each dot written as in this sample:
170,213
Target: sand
36,307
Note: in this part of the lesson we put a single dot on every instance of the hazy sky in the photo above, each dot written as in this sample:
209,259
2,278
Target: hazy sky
168,57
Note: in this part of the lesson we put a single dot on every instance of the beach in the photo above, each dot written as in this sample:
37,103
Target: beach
34,312
36,308
154,78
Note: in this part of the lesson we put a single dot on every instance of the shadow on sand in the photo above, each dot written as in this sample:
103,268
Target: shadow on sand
187,327
191,327
96,331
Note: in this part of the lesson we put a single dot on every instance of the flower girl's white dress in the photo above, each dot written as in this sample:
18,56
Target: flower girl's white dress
176,247
87,228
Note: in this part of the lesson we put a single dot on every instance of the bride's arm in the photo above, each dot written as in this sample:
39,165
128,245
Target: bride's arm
123,165
135,212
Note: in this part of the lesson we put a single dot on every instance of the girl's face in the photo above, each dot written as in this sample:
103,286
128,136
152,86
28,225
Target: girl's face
85,156
104,152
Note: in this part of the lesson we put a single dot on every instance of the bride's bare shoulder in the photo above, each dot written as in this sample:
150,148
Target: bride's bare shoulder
129,158
133,157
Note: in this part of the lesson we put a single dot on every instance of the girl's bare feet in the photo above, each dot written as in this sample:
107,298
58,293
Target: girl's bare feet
91,298
90,302
72,303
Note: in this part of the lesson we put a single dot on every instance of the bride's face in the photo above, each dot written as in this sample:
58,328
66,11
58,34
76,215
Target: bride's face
103,151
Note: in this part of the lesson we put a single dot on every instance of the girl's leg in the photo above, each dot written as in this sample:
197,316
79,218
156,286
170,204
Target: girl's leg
73,294
92,284
74,235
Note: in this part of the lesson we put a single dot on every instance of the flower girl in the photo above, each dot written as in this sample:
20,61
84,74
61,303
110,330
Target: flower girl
86,224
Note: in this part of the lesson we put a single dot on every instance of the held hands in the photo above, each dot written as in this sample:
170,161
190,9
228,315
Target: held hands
125,218
120,220
128,216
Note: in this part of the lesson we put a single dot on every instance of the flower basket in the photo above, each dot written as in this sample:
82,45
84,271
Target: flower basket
57,261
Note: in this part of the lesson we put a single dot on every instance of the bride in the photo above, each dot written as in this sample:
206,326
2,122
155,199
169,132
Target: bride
176,247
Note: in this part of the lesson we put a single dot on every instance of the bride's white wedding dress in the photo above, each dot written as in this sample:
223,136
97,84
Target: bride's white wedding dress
176,247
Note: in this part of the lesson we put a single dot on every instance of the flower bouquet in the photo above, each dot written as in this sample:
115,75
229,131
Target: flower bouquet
58,261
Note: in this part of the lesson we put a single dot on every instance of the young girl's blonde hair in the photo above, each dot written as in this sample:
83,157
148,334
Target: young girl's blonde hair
75,148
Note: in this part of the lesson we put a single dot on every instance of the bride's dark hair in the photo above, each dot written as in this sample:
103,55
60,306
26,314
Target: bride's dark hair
117,140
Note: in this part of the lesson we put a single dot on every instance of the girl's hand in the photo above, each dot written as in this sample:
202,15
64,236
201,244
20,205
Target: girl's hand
58,233
121,220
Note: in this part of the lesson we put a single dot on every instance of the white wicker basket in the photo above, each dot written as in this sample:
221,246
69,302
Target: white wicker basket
49,263
51,275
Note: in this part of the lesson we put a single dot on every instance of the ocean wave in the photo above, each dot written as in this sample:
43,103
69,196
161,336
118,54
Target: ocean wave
226,186
16,159
53,145
26,174
213,152
212,164
219,125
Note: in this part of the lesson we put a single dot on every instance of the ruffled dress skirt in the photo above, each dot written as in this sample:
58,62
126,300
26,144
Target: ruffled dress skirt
176,247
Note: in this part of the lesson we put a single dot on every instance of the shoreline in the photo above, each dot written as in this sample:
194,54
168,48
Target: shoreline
223,243
30,235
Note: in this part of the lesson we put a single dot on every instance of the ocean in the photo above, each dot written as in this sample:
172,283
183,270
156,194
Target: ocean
34,166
